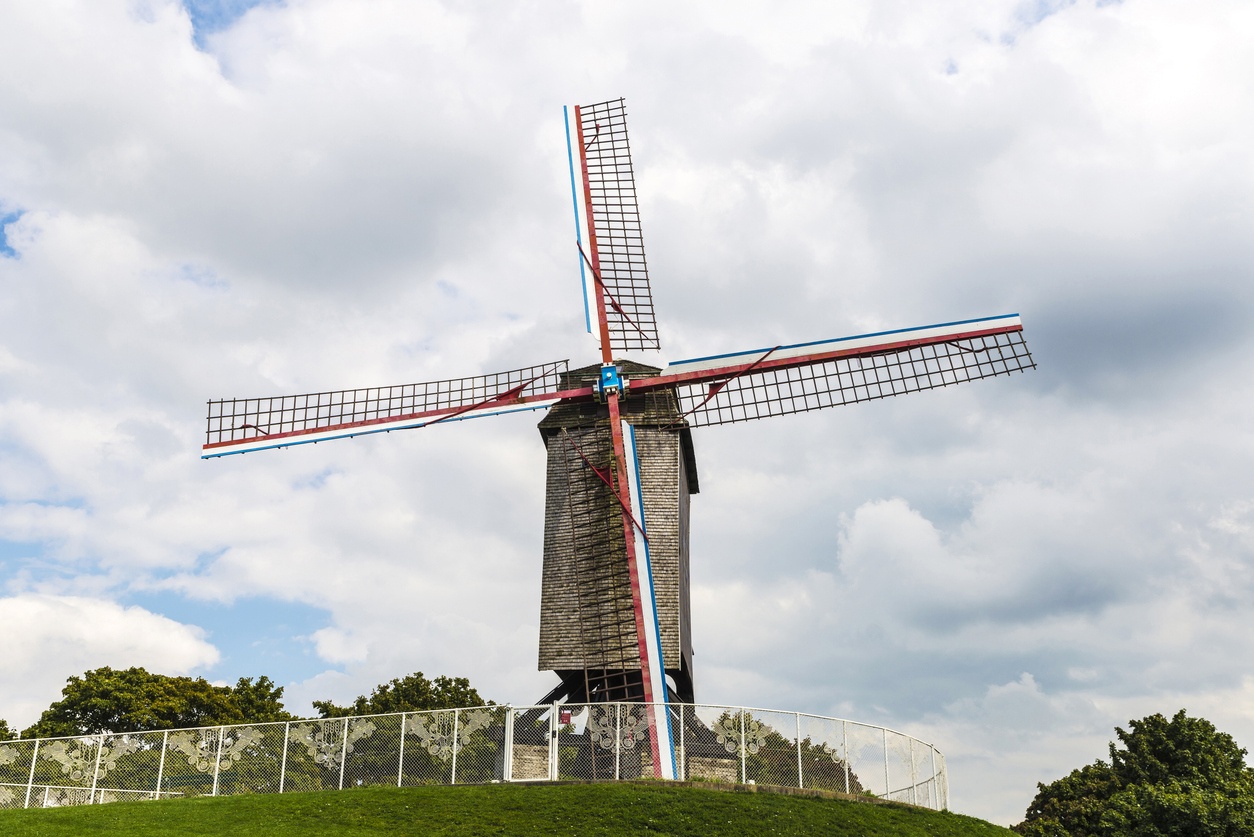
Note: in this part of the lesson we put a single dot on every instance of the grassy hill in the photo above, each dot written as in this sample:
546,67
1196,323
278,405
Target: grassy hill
586,810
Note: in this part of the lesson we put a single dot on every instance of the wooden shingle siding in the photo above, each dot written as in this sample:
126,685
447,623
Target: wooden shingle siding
586,616
658,450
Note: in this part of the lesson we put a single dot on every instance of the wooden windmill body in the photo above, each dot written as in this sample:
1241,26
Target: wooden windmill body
615,618
587,625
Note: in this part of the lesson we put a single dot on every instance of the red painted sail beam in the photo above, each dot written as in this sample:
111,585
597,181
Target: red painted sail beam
718,369
385,424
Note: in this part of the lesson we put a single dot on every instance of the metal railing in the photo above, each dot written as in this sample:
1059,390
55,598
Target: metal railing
600,741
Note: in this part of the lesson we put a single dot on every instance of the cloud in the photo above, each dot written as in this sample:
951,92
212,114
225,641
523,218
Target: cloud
80,634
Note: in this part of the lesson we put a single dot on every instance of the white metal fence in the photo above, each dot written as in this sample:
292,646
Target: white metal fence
601,741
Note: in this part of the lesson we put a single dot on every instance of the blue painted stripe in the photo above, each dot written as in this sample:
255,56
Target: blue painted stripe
574,202
839,339
657,623
350,434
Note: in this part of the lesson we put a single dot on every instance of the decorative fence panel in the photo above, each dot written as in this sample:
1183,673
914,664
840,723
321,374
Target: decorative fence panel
600,741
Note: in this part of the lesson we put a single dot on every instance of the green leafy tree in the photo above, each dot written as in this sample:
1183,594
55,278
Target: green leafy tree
135,700
258,701
1187,750
411,693
6,734
1170,777
1073,804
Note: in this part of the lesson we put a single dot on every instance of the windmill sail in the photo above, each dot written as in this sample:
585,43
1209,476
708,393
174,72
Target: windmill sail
791,379
240,425
615,241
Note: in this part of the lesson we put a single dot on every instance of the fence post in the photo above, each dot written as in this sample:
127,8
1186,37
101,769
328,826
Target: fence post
844,746
217,759
400,762
95,773
618,740
887,787
742,747
914,776
507,771
800,778
935,780
30,781
553,710
165,740
343,752
287,729
683,747
456,727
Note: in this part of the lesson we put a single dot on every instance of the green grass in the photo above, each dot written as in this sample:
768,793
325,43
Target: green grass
587,810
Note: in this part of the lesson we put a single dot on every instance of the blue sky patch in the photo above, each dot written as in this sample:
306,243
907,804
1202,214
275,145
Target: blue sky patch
1034,11
209,16
18,552
255,636
6,219
202,276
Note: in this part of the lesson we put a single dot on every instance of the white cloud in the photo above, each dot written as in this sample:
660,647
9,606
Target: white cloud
51,637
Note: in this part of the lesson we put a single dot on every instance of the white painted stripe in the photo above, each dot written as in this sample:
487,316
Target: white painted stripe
661,717
861,341
267,443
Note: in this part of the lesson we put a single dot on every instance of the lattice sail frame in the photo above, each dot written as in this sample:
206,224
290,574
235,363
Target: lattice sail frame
260,423
850,380
614,220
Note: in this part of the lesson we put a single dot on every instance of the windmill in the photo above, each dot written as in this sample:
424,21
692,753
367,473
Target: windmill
615,620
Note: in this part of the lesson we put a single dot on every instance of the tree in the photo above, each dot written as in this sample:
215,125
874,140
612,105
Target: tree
6,734
1184,749
1073,804
260,701
1170,777
135,700
411,693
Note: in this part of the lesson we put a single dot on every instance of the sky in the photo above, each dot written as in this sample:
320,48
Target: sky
224,199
